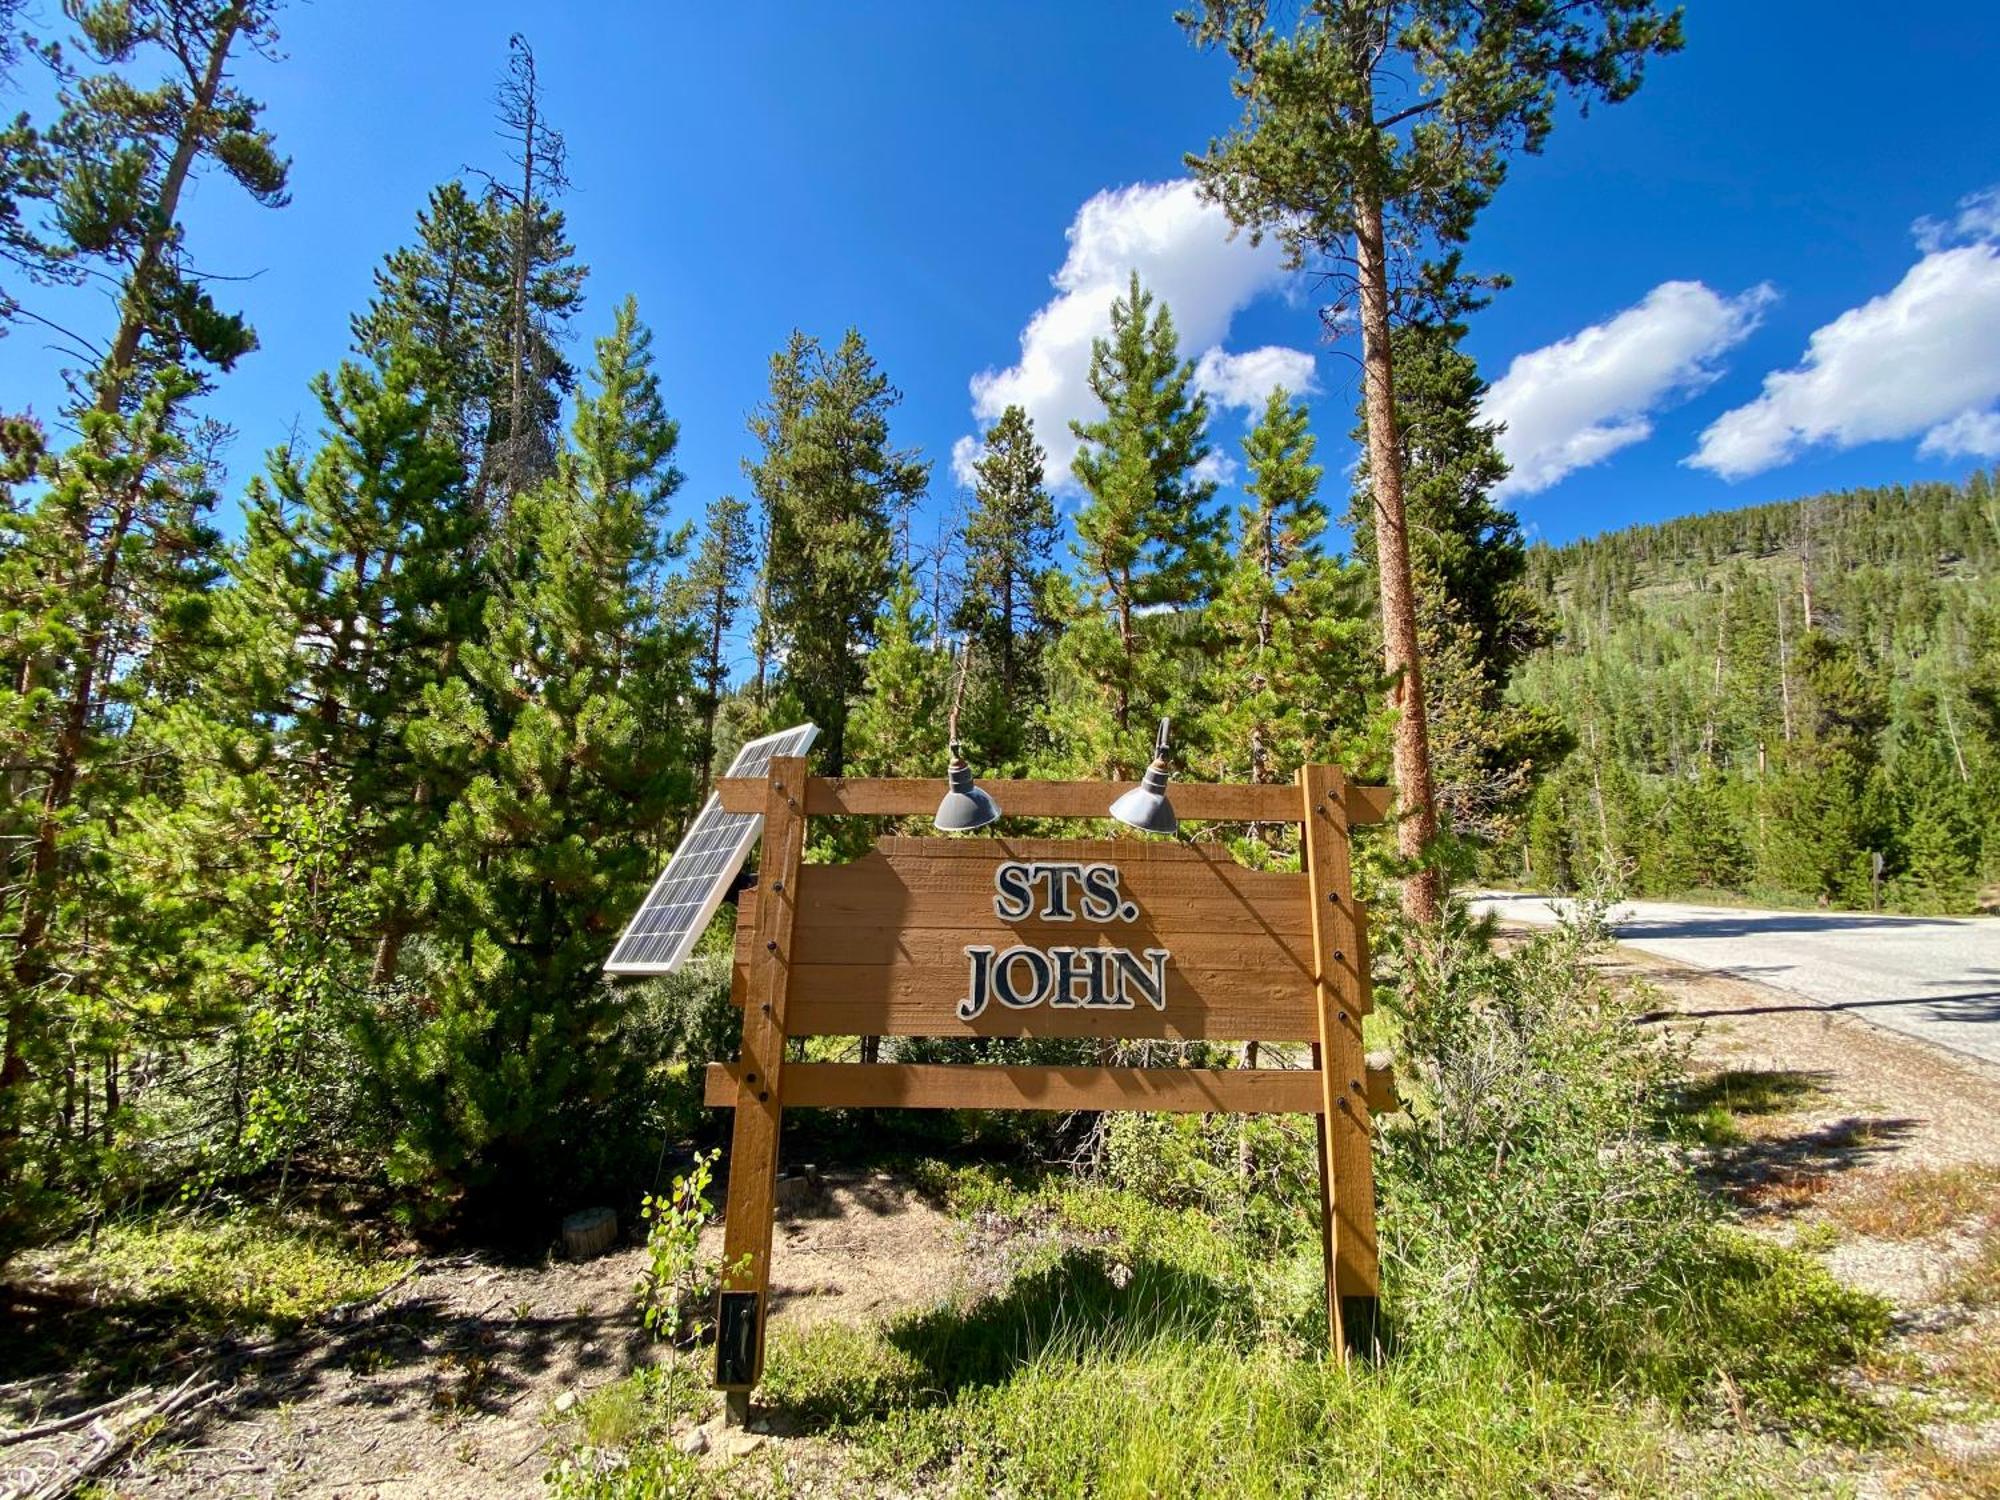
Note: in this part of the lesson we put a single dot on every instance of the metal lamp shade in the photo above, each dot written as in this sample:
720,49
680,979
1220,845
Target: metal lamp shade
1146,807
966,805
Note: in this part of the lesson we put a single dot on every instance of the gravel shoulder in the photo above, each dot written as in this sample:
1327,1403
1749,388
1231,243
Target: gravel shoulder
1879,1152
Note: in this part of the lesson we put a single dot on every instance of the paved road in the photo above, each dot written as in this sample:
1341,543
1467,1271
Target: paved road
1933,977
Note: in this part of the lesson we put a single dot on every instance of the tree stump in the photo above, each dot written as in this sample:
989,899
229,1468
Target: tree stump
589,1233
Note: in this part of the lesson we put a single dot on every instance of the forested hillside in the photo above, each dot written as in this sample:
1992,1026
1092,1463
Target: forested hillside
1763,699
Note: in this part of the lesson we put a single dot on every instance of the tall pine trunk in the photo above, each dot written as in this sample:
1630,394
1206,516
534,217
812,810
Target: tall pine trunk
39,893
1402,656
136,310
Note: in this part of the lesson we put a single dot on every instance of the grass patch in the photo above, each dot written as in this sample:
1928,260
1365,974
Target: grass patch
1138,1350
1916,1204
1148,1405
1751,1091
643,1405
154,1284
617,1439
263,1270
1977,1282
1774,1327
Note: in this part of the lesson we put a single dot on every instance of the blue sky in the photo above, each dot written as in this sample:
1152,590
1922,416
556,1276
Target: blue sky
922,171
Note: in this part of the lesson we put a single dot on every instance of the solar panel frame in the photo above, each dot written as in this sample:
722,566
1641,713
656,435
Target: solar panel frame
676,911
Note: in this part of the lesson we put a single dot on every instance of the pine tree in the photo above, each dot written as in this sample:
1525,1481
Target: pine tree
572,719
833,490
448,301
1010,548
1696,840
1464,547
1290,677
1371,137
1938,838
357,582
898,727
441,301
110,558
714,593
542,288
103,571
121,156
1148,544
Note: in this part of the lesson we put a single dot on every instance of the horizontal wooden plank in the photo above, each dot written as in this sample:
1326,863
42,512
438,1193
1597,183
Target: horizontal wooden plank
1205,1005
948,885
1369,804
1194,801
997,1086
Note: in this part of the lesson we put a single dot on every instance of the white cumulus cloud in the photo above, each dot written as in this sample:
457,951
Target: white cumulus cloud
1923,357
1182,250
1576,402
1976,218
1245,380
1971,434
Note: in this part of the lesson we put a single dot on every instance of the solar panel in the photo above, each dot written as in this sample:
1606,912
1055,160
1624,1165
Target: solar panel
677,909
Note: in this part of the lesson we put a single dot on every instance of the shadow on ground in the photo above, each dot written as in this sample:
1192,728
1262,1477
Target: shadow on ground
1753,1091
1081,1300
1782,1174
412,1360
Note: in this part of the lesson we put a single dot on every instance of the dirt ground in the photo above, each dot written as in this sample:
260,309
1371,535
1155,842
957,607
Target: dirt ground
453,1384
448,1387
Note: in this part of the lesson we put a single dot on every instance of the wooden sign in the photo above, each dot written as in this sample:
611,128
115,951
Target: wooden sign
1123,939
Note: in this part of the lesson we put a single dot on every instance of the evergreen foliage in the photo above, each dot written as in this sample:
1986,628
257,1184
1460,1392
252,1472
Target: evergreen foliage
716,591
899,725
353,591
1476,616
1373,134
106,561
1010,544
833,490
568,707
1290,678
1148,545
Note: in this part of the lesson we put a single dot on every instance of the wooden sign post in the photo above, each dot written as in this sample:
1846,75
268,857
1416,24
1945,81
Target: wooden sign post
1109,938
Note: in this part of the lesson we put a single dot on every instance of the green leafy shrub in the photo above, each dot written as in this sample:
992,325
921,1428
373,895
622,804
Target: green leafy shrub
679,1282
1534,1196
1781,1329
1257,1173
1530,1182
657,1471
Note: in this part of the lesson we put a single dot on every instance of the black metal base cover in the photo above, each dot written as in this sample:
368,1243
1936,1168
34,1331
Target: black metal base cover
736,1340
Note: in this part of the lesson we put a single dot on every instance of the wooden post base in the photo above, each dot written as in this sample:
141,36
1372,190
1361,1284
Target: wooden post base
735,1408
1360,1319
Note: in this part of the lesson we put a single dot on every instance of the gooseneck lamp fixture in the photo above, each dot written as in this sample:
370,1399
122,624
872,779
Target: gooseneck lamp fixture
966,804
1146,807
